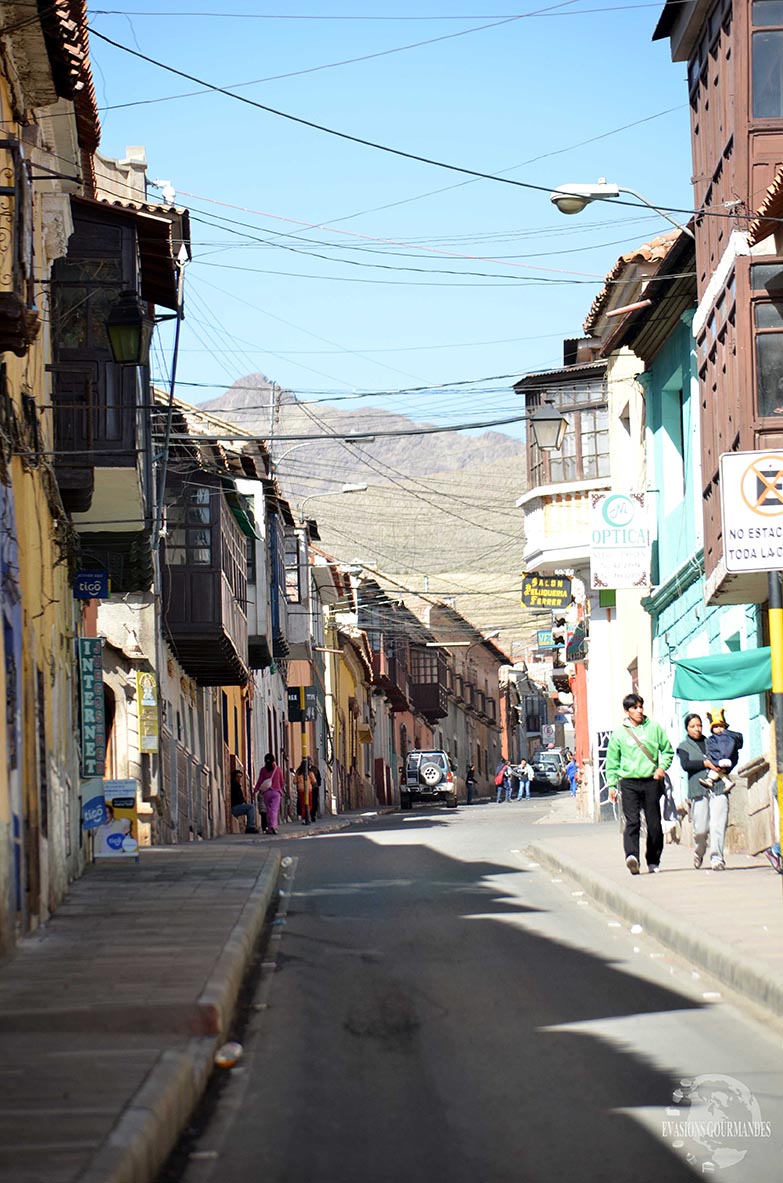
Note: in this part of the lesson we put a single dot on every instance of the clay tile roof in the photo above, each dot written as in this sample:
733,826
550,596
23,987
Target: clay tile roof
769,211
64,27
653,251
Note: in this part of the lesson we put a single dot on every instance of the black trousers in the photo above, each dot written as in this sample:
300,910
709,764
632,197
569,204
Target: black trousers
638,795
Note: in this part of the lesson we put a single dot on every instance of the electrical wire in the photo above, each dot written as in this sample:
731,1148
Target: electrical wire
301,121
233,86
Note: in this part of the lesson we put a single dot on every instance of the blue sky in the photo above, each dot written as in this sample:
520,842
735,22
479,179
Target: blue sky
477,301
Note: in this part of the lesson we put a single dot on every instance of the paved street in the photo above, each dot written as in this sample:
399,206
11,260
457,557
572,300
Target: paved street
437,1004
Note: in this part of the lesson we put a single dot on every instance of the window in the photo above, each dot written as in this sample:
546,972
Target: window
189,529
293,589
585,451
768,332
767,59
769,359
425,667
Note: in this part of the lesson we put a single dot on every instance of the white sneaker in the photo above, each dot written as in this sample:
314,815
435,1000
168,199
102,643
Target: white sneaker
632,863
653,868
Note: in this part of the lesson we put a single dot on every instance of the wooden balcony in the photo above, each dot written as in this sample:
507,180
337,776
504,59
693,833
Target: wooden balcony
205,585
390,673
430,699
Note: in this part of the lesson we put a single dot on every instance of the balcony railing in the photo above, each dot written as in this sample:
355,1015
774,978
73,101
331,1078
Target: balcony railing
557,523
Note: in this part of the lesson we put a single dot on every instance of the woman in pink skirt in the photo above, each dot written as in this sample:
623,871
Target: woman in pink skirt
270,786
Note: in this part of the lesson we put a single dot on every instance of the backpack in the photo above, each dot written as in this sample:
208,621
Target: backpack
500,774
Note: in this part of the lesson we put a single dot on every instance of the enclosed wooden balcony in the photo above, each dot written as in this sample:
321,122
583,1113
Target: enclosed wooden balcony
205,584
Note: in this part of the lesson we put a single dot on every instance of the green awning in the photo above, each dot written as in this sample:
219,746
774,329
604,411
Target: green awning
723,675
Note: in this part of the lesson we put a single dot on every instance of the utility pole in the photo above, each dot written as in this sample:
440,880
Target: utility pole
776,654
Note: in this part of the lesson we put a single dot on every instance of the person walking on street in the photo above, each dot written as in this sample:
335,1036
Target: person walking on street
239,806
316,789
638,755
709,806
572,772
270,786
523,775
304,790
503,781
470,783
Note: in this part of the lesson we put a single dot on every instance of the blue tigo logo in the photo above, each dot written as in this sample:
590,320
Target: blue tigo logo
115,841
93,813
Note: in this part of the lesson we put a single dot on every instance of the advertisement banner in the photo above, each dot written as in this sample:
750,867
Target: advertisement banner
619,541
147,701
118,836
93,716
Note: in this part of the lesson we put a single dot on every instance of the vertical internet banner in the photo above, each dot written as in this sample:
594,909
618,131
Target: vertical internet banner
93,716
147,702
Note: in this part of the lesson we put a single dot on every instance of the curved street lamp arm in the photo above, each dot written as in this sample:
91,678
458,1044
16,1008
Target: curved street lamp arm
649,204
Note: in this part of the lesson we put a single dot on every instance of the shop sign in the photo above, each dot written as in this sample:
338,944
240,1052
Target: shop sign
147,703
91,585
93,719
619,541
545,591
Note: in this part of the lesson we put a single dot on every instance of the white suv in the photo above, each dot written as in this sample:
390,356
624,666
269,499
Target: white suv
429,776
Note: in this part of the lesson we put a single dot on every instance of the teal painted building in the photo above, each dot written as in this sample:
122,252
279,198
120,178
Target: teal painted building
683,625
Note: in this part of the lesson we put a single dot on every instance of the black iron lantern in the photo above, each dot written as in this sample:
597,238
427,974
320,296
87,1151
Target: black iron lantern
129,330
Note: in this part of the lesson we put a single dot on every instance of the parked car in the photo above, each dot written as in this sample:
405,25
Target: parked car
429,776
549,770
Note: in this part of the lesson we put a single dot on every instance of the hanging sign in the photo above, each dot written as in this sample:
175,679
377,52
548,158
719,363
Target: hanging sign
91,585
147,702
619,541
93,717
545,591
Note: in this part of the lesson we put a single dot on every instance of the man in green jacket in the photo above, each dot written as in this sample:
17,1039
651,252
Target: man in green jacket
638,755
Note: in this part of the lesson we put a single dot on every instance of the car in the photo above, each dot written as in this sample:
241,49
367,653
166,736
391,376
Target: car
429,775
549,770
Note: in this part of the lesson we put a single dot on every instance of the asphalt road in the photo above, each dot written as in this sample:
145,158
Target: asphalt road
434,1009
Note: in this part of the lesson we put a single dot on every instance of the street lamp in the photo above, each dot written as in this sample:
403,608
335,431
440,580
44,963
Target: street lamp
129,330
333,493
358,439
548,427
572,199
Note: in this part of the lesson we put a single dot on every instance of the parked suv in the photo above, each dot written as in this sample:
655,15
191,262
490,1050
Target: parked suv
429,776
549,769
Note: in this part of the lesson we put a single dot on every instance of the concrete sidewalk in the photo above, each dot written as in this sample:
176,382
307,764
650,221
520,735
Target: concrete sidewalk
112,1012
727,923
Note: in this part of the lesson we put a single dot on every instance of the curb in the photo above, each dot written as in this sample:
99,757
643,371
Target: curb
149,1126
747,977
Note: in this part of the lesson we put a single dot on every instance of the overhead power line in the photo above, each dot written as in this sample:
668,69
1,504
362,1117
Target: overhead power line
246,437
343,135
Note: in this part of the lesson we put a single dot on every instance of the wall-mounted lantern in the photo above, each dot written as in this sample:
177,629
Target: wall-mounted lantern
129,329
